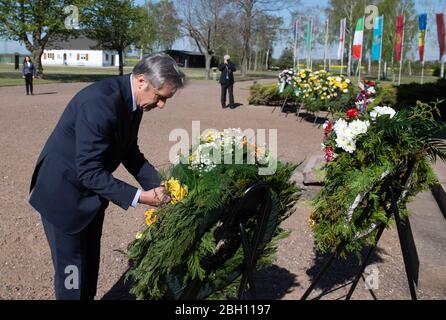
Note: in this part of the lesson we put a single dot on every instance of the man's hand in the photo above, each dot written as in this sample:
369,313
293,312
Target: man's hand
154,197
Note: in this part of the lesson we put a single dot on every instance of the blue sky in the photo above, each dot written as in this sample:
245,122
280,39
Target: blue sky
431,47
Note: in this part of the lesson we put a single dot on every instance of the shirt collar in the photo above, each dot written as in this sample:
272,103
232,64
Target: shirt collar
134,108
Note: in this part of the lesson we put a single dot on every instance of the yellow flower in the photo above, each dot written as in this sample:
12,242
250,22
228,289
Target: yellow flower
150,216
177,191
138,235
311,222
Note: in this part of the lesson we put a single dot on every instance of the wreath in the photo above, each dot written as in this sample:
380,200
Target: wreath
191,248
366,153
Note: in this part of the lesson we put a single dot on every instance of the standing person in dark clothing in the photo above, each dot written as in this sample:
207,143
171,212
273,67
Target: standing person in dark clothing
227,69
29,72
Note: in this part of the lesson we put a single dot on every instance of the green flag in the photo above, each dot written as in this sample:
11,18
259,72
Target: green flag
309,29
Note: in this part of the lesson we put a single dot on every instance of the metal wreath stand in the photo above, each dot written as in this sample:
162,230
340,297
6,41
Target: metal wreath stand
408,248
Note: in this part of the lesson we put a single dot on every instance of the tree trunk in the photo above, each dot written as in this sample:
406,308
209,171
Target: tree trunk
37,60
255,60
267,57
208,59
121,62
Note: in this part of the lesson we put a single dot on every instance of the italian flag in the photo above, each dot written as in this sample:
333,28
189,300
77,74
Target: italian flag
357,40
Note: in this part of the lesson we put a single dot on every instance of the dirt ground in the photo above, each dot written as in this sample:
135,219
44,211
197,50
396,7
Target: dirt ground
25,264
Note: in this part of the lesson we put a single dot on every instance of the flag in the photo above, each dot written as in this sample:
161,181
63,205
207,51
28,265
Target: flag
422,24
399,37
357,39
296,29
341,38
441,34
309,31
377,38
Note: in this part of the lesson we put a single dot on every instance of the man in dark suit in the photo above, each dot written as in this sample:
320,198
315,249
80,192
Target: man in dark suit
72,183
227,69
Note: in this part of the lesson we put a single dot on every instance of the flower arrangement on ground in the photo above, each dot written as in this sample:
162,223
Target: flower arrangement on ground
366,153
191,241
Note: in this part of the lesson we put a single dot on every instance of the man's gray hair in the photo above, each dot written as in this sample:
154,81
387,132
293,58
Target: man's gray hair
160,68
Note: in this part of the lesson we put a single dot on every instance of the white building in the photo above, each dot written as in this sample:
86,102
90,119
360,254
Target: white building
78,52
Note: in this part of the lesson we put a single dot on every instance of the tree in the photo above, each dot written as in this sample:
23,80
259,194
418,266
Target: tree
248,11
113,23
167,23
34,23
286,59
147,31
266,30
203,21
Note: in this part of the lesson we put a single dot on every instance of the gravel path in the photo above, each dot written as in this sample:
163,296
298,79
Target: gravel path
25,264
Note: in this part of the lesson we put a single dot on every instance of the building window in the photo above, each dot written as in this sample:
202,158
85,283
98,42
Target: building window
51,56
82,56
106,57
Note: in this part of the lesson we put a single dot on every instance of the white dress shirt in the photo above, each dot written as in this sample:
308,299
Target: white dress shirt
134,107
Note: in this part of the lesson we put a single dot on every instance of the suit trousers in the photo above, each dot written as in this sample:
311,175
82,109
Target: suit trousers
230,89
29,83
76,259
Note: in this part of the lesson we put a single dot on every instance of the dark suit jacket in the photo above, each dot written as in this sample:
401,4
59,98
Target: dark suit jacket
95,134
227,73
28,70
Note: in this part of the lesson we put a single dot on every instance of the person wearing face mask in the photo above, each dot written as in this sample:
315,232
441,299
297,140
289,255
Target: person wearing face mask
28,73
73,181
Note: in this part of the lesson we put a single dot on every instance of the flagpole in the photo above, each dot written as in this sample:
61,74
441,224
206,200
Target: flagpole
311,42
294,51
424,53
381,47
402,49
343,44
297,44
326,43
360,57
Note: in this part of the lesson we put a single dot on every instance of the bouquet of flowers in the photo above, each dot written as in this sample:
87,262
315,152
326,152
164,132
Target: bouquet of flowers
190,240
365,153
366,95
286,81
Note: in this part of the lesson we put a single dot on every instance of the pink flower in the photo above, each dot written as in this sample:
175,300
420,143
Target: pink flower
329,154
328,125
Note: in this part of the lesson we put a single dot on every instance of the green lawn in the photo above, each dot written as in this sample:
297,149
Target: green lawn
54,74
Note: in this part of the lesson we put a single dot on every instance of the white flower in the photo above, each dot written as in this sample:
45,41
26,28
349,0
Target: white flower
350,147
358,126
342,141
339,125
379,111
